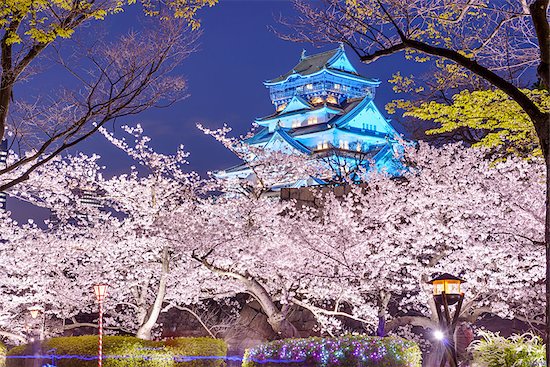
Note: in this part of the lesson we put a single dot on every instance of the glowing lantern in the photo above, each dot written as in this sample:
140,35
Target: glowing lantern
35,311
100,291
447,285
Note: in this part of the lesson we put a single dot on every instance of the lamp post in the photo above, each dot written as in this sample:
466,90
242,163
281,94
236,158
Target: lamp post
446,292
100,291
35,311
37,344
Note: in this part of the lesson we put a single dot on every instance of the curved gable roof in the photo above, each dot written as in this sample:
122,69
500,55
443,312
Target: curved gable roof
280,133
297,103
309,65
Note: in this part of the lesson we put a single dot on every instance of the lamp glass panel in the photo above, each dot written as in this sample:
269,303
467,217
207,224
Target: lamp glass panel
439,287
35,311
100,291
452,287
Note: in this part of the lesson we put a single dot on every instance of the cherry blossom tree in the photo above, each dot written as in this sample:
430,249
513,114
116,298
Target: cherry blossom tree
368,255
372,252
110,80
121,240
485,44
270,168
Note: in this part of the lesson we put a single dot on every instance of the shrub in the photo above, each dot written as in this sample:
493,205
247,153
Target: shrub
493,350
365,351
3,351
123,351
204,347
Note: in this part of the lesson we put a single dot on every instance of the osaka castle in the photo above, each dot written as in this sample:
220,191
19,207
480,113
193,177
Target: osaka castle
326,111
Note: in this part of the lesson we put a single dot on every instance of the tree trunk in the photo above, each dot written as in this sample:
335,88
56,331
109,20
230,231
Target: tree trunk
383,301
547,246
5,93
381,329
276,317
282,326
145,330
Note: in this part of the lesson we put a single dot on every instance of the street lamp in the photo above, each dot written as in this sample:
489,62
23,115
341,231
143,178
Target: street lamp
100,291
446,292
37,345
35,311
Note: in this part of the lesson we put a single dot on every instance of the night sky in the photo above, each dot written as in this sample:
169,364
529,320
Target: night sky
237,52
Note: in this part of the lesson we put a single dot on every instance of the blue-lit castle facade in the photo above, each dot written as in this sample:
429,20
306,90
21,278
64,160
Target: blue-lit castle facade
324,109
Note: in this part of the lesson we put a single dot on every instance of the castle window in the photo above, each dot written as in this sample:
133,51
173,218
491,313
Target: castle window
317,100
325,145
309,86
336,86
358,147
332,99
296,123
344,144
312,120
281,107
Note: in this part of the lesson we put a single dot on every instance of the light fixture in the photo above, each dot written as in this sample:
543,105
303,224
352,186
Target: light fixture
100,291
448,285
446,292
439,335
35,311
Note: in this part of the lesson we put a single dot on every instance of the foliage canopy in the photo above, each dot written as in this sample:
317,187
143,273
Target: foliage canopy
501,119
42,21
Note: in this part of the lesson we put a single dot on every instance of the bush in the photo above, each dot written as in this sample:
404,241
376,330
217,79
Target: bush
3,351
124,351
206,347
493,350
365,351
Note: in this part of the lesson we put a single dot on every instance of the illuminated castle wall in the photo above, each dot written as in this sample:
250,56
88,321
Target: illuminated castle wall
325,109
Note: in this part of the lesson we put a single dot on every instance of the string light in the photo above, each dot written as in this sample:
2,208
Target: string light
329,352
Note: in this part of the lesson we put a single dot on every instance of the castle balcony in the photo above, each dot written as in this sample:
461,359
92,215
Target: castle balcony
321,85
364,155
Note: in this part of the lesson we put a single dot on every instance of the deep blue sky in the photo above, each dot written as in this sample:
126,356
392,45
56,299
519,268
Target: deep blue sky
237,52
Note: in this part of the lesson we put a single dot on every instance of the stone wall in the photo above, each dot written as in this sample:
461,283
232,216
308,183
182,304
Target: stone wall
252,327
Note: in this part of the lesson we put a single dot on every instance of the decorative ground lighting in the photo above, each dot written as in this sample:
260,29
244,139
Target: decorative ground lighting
446,292
100,291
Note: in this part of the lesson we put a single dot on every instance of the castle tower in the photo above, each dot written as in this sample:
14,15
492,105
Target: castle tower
324,109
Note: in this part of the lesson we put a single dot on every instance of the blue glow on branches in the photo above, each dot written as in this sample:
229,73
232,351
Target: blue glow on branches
141,357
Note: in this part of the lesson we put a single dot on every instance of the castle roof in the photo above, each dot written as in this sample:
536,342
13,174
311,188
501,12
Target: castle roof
334,60
309,65
284,113
338,121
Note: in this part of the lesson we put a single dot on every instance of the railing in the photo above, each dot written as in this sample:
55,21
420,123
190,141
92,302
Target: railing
319,85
